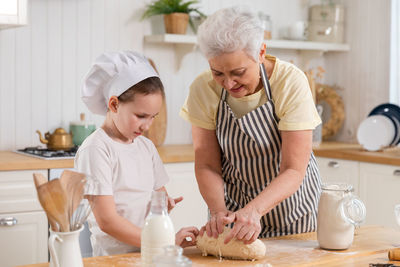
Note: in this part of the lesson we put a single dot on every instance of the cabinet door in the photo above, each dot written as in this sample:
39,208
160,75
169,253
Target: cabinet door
192,211
339,171
18,192
380,187
23,238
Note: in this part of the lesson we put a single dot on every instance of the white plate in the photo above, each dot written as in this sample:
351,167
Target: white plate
375,132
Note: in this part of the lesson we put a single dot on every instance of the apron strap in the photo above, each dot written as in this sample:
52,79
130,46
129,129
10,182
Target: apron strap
265,81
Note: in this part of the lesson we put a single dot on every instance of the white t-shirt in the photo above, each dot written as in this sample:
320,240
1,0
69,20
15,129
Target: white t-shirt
129,173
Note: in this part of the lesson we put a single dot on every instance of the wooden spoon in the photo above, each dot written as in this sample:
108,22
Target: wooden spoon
53,199
73,184
39,179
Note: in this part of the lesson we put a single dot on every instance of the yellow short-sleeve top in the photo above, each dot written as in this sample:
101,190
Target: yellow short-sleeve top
294,104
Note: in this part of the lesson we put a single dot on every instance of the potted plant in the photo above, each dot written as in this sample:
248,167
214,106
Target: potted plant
176,14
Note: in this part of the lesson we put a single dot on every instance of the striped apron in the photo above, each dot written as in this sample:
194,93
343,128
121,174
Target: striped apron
251,155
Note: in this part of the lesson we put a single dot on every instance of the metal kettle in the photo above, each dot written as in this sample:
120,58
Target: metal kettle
59,140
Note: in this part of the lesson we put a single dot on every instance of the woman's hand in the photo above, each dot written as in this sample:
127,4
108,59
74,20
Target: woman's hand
216,225
247,225
183,234
172,202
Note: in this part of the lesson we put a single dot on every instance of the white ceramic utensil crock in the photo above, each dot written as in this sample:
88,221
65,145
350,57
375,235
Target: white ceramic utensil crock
64,249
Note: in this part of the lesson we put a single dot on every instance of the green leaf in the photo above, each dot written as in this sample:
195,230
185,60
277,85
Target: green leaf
160,7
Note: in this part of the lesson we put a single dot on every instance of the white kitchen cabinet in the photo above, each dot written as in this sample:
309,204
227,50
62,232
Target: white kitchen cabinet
380,191
23,238
339,171
23,223
192,211
13,13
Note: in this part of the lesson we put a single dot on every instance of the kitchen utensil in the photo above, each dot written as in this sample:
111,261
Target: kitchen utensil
64,249
39,179
81,129
53,199
394,254
85,206
59,140
73,184
391,111
376,132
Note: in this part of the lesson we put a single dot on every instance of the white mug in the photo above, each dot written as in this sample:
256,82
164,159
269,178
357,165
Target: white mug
297,31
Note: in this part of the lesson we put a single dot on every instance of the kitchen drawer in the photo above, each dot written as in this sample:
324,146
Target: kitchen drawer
339,171
25,240
18,192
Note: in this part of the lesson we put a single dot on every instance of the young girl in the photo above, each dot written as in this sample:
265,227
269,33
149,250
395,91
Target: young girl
125,88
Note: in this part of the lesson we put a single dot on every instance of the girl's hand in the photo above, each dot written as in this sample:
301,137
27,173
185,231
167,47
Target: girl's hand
187,232
247,225
216,225
172,202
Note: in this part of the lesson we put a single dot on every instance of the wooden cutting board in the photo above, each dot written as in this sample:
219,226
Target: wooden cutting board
158,128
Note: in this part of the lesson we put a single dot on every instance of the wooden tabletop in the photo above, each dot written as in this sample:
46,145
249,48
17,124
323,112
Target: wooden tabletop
371,244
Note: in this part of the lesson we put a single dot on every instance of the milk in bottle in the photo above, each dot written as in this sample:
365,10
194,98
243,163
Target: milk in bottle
158,230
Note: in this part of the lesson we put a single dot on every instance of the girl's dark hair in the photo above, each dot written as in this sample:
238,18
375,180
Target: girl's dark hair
151,85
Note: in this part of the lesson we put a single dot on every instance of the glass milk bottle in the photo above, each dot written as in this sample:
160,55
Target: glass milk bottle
158,230
339,211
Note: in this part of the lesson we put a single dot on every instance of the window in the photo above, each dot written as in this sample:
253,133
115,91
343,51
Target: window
395,53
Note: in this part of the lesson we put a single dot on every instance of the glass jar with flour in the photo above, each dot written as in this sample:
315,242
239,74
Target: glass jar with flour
339,212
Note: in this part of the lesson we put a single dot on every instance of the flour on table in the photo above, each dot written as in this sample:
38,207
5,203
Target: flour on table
235,249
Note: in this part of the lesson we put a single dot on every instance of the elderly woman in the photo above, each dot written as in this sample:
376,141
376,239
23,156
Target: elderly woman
252,118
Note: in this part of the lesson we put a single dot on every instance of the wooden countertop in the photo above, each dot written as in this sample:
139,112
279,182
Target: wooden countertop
11,161
370,245
184,153
390,156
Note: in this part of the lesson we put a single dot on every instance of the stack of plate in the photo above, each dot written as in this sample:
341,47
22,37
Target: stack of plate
381,128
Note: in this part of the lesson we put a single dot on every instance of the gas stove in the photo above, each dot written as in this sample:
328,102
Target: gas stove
44,153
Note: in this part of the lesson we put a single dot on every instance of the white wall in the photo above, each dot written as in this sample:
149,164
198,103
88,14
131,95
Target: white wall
42,65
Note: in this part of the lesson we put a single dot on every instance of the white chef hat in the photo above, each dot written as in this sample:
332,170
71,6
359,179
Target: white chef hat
111,74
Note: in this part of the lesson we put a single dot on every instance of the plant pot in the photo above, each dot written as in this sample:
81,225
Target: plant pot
176,23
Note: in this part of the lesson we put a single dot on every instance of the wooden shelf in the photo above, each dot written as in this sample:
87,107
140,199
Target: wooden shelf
276,44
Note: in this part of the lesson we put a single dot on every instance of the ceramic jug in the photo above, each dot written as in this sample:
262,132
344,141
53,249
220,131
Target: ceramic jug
64,249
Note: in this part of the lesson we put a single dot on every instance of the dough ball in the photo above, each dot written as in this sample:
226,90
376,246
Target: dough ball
235,249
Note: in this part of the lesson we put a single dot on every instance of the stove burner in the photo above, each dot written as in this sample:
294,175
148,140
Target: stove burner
48,154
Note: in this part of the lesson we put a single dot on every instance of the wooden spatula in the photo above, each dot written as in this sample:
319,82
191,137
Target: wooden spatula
39,179
73,184
53,199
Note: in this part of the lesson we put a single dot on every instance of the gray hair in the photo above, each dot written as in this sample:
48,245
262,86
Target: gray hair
231,29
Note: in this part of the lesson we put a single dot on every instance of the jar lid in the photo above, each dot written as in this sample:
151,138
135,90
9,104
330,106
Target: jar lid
172,257
337,187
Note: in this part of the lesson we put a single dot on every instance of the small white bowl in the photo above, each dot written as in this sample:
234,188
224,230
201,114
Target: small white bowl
376,132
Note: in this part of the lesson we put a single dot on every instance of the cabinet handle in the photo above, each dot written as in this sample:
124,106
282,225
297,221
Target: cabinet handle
396,172
9,221
333,164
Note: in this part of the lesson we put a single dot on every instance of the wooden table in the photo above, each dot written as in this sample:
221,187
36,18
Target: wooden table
370,245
